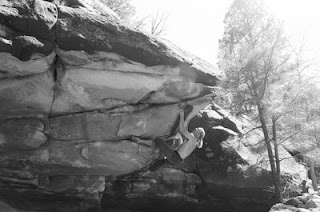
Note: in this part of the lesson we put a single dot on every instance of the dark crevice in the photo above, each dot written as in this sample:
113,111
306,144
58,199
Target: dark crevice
73,113
86,142
105,111
19,77
118,128
98,110
82,141
152,74
3,72
23,183
54,70
148,95
24,117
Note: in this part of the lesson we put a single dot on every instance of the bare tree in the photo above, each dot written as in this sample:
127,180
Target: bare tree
158,23
313,175
155,24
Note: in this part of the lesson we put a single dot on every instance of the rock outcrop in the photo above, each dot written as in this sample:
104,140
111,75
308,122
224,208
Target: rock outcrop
76,84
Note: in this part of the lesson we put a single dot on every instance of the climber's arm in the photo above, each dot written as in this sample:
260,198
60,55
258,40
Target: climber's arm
174,137
200,144
182,128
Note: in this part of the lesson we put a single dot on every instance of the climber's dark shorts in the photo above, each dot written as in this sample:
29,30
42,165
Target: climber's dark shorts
171,154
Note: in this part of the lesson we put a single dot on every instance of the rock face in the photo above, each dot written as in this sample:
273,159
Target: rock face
76,84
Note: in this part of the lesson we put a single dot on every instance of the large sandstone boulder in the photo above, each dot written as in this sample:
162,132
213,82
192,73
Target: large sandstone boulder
75,85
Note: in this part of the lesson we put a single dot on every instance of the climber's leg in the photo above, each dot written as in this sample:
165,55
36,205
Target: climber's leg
171,155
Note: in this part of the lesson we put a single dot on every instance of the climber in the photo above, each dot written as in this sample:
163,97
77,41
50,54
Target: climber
184,146
184,142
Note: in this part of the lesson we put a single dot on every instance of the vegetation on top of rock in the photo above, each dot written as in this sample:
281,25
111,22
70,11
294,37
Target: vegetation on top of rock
154,24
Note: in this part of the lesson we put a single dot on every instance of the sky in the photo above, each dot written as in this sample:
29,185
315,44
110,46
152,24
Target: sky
301,22
196,26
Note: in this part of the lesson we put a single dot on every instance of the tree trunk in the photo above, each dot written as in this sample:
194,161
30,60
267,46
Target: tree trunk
313,175
270,154
276,154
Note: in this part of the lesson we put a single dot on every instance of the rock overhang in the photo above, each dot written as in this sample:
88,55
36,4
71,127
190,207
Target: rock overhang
73,27
91,82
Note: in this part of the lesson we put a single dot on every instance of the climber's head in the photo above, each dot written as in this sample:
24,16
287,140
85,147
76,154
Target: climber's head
199,133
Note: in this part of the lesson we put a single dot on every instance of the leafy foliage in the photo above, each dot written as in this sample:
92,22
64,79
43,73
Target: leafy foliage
255,55
262,71
123,8
304,119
